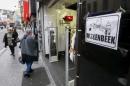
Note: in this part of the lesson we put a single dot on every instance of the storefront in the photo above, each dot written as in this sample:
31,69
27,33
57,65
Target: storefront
52,27
53,18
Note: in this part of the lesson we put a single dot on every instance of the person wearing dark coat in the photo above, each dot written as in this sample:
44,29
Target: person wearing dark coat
10,40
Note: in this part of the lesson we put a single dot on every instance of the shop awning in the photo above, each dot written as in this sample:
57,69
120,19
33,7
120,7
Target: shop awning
72,6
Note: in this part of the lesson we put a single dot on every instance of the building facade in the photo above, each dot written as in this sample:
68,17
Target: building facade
6,17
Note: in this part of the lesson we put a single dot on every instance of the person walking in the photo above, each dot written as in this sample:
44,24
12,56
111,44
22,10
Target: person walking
29,51
9,40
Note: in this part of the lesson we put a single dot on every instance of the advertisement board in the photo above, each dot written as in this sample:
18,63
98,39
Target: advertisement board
103,30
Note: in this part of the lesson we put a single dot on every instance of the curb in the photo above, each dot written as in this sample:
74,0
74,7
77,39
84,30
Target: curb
2,50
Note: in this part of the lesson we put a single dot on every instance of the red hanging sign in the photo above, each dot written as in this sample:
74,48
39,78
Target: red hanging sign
25,10
68,18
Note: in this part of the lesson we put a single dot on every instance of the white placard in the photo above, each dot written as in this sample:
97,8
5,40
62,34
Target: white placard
103,30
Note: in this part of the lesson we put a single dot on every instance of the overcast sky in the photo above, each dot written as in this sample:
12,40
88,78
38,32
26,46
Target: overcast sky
8,4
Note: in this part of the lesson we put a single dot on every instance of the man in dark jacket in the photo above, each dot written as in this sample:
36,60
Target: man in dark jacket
10,40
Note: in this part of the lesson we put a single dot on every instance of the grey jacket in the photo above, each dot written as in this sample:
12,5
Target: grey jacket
31,46
23,45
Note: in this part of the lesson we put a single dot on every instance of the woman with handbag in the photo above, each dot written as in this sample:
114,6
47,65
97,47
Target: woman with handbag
29,51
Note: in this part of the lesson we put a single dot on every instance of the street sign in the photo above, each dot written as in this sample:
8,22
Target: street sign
103,30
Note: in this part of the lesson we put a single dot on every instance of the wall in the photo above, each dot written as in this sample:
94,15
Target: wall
48,22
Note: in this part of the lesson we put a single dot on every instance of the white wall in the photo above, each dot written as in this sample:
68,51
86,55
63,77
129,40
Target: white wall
48,22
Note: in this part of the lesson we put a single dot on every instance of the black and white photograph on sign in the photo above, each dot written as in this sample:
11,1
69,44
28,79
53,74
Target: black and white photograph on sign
103,30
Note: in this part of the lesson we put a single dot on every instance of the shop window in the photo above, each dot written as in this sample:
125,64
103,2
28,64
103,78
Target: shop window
105,4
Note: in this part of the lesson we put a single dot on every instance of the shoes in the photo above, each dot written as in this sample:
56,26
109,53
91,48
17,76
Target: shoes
26,75
31,71
12,54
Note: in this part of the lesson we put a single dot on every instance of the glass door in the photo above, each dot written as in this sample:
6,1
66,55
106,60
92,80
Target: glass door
52,44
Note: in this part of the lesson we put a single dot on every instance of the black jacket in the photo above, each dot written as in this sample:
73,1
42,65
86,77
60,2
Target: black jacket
5,40
14,41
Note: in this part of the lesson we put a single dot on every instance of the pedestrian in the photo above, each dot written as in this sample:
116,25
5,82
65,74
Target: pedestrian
15,35
29,51
9,40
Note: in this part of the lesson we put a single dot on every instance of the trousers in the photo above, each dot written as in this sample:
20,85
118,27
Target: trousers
11,49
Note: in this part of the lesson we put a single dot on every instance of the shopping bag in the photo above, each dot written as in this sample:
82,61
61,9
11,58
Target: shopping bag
21,59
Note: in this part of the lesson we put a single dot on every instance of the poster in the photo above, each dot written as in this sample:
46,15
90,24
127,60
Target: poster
103,30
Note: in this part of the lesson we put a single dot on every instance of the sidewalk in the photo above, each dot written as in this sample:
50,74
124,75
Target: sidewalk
57,70
11,72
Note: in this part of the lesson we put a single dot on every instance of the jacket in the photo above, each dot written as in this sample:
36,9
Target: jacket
31,46
23,45
15,36
5,40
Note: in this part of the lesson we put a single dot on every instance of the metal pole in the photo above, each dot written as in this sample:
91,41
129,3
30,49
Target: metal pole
79,14
67,59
